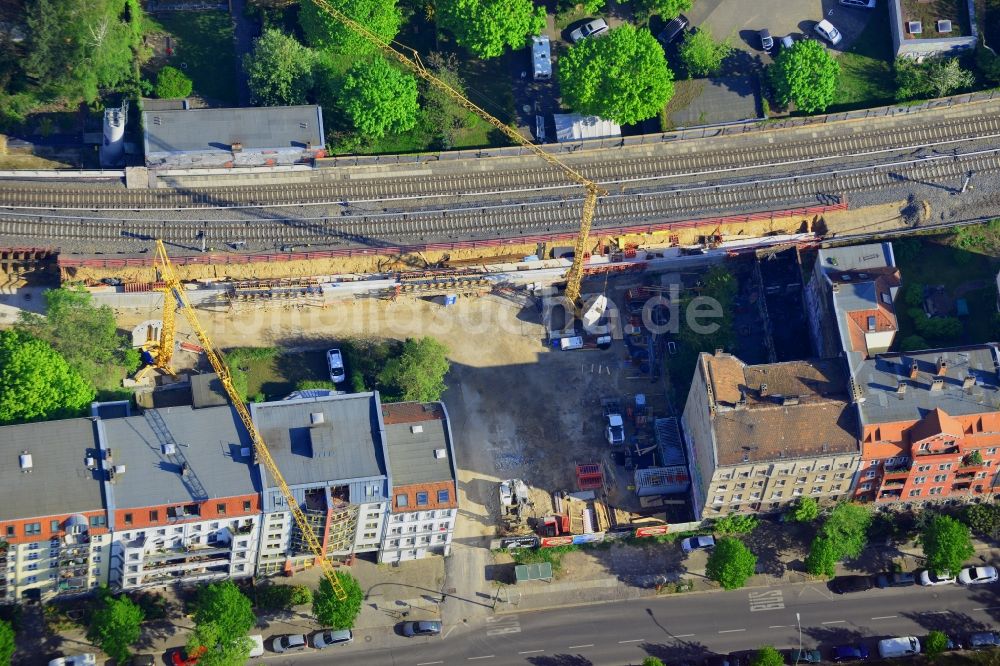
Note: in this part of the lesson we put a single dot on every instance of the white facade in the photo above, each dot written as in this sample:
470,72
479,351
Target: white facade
67,565
412,535
188,552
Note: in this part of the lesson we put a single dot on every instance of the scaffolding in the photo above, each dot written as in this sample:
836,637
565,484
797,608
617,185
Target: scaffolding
292,291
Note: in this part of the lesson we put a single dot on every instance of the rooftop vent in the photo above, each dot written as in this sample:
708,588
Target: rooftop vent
942,365
846,277
937,384
236,147
90,462
440,454
763,389
871,323
169,449
108,456
119,469
25,460
863,276
790,400
901,387
185,469
914,369
914,27
944,25
316,418
416,428
245,452
968,381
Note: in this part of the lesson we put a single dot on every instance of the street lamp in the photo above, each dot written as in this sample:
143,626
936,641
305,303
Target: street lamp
798,621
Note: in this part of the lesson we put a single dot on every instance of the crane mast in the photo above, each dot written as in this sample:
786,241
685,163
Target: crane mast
172,284
413,63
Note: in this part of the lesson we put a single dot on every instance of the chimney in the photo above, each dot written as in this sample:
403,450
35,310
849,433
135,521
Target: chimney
763,390
184,469
914,369
237,147
743,399
942,365
968,381
108,456
901,387
937,384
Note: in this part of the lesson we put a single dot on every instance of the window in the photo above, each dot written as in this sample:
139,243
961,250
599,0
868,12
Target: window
31,579
54,526
991,451
718,499
796,492
824,468
758,484
128,518
919,479
10,530
821,478
737,498
801,479
817,490
723,488
940,478
780,482
935,491
402,500
220,508
740,486
246,505
944,467
755,496
776,494
443,497
422,499
98,521
870,474
925,446
154,516
32,528
924,468
33,566
866,486
915,492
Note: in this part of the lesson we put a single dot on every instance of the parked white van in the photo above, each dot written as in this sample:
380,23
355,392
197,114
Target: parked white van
905,646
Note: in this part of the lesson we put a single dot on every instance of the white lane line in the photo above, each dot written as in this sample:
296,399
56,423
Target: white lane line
577,647
429,663
730,631
634,640
530,651
683,635
781,626
987,608
936,612
835,622
488,656
885,617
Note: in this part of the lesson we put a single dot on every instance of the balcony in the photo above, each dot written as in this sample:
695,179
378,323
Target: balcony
890,495
894,482
189,553
202,573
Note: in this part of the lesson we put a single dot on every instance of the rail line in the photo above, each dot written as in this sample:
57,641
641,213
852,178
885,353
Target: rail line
508,219
634,170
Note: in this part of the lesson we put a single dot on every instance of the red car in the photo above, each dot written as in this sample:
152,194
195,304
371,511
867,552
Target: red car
178,658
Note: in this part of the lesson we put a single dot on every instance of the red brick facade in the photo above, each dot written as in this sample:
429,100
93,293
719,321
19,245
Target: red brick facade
432,489
212,509
16,531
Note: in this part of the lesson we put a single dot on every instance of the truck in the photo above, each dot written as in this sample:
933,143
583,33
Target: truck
614,430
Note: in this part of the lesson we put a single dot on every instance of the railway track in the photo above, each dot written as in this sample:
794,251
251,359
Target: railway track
610,169
510,219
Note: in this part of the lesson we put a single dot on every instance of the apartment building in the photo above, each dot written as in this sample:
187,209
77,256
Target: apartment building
331,452
183,497
758,437
423,475
851,300
930,425
53,526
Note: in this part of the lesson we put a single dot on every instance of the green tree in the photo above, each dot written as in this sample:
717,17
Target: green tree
947,544
667,9
332,612
736,524
913,343
6,643
115,625
417,373
36,382
379,98
622,77
934,77
488,27
442,114
805,75
76,49
223,615
938,328
983,519
171,83
805,510
913,295
987,60
216,648
652,661
730,563
935,644
767,656
702,55
282,597
323,31
279,70
822,558
847,528
85,334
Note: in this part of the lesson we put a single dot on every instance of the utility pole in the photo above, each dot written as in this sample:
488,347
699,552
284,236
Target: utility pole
798,621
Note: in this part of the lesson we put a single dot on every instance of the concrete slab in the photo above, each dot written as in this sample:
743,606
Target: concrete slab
713,101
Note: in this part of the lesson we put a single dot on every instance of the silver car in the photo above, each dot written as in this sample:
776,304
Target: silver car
826,30
977,575
593,28
694,543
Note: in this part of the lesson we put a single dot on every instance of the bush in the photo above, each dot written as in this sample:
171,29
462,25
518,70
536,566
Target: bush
939,329
913,295
913,343
172,83
736,524
983,519
282,597
805,510
309,384
730,563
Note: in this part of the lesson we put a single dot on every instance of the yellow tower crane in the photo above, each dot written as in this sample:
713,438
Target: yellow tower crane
162,349
174,289
592,189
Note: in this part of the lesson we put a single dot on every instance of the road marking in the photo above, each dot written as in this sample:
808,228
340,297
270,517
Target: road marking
503,624
780,626
766,600
730,631
987,608
429,663
634,640
530,651
450,629
885,617
488,656
577,647
835,622
683,635
936,612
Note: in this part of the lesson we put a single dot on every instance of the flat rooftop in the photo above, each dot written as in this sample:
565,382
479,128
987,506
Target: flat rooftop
779,411
59,482
323,439
256,128
210,441
880,377
929,12
413,432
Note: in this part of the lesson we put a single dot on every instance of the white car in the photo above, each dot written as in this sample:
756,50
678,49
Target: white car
288,643
826,30
694,543
977,575
331,637
589,29
928,577
335,362
88,659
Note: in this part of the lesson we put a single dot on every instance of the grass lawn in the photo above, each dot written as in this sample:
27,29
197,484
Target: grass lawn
866,76
273,376
204,50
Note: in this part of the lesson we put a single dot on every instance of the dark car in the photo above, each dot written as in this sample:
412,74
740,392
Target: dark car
804,657
899,579
422,628
142,660
847,584
766,41
672,30
982,640
849,653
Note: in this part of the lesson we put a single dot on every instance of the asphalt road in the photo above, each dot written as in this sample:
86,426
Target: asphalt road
683,628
